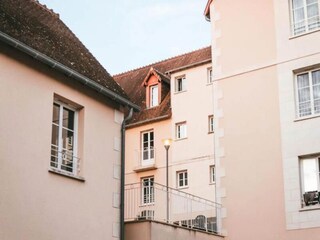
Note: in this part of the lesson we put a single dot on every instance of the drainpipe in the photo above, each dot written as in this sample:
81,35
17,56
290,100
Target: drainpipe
123,126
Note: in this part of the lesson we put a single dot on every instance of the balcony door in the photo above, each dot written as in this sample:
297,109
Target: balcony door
147,151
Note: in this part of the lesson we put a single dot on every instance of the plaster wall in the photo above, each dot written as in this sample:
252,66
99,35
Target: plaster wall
257,140
38,204
150,230
195,152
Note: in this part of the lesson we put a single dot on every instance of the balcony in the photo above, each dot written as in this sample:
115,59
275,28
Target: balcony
185,210
145,159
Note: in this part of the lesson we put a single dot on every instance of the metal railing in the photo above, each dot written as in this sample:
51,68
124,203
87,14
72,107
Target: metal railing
64,161
184,209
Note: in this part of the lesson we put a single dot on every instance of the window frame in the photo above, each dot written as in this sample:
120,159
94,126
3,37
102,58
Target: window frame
209,75
75,160
210,124
184,179
212,172
150,196
316,159
150,149
183,84
306,19
309,72
178,130
153,102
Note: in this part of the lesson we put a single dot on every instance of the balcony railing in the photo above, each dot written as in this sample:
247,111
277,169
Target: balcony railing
145,159
184,209
64,161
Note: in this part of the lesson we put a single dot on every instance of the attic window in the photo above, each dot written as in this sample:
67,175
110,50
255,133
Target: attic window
154,96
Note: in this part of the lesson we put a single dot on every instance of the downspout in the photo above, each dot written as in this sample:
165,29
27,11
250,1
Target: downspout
123,128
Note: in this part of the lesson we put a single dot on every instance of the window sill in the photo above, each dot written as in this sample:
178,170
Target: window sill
180,139
310,208
148,167
303,34
209,83
180,92
306,117
210,132
184,187
212,183
146,204
68,175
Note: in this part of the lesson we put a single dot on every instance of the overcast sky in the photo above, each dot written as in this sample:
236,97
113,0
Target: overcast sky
126,34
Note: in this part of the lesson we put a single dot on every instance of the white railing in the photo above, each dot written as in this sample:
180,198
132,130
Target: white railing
64,161
184,209
145,157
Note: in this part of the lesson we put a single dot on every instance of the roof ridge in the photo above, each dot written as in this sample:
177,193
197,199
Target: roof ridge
44,7
164,60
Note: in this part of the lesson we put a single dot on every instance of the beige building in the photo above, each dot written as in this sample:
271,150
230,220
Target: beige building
60,131
175,96
265,60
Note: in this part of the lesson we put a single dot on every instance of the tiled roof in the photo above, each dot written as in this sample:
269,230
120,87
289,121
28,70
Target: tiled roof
132,82
41,29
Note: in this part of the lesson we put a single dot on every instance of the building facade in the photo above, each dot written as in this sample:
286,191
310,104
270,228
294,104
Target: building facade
265,86
175,96
60,173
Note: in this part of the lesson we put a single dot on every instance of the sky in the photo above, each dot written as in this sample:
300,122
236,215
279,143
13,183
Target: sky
127,34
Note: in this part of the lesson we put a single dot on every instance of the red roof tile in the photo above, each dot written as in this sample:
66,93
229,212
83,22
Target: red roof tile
41,29
132,83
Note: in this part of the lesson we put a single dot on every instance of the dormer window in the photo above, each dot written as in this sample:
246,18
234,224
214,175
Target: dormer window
154,96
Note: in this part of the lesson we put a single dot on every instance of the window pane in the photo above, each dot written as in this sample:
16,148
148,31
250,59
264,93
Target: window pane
304,95
68,119
54,135
154,96
55,115
297,3
67,140
303,80
298,15
310,178
311,1
316,77
54,156
312,10
304,109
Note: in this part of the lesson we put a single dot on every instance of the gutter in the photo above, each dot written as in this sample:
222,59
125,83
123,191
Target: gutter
131,125
122,182
68,71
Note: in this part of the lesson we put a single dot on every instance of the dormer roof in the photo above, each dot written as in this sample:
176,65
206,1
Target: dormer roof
133,82
160,76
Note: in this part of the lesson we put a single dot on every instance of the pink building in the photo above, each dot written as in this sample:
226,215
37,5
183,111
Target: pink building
61,115
175,96
265,61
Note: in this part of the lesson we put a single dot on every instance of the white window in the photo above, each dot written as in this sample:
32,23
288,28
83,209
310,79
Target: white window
212,174
182,179
64,140
308,93
210,123
180,84
154,96
147,186
147,147
181,130
209,75
305,16
309,171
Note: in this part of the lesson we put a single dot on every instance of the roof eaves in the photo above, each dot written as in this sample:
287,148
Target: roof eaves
66,70
188,66
207,10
